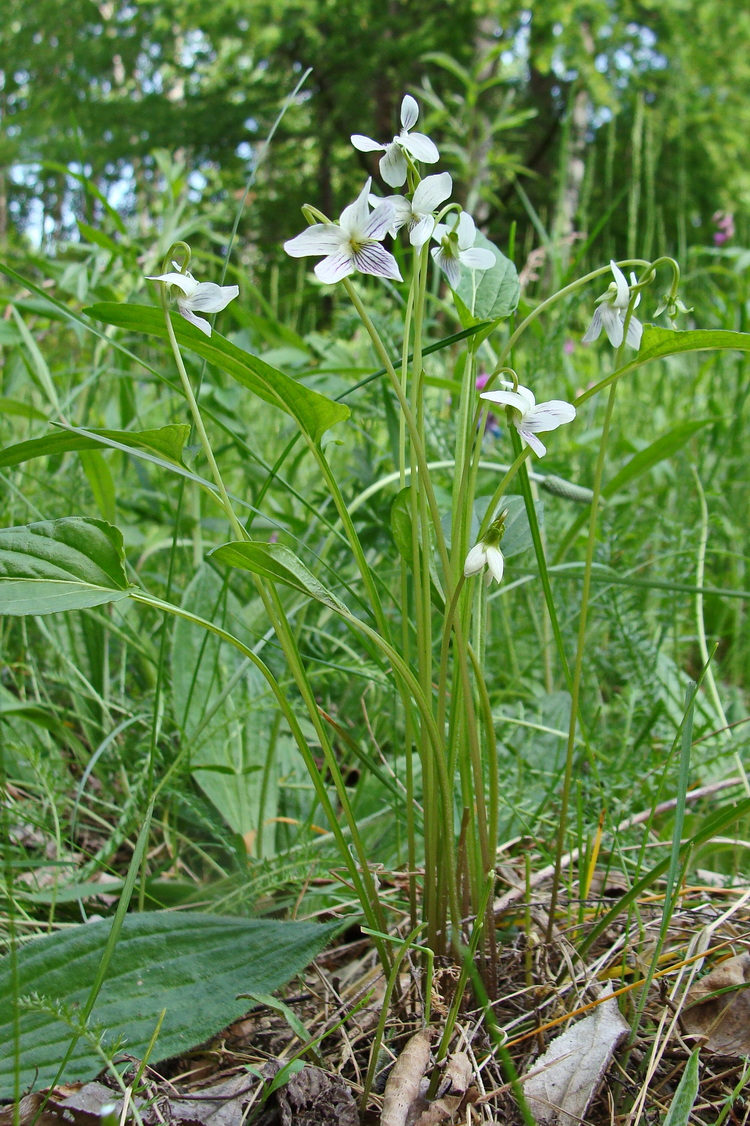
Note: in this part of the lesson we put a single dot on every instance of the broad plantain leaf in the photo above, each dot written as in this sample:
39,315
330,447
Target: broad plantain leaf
314,413
190,964
166,442
276,562
58,565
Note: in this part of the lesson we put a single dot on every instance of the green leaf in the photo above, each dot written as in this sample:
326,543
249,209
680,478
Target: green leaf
192,965
660,342
664,447
401,526
685,1095
492,294
38,362
278,563
22,410
314,413
101,482
222,707
166,442
61,565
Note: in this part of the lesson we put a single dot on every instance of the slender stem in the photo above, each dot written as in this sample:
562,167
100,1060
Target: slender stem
237,529
578,667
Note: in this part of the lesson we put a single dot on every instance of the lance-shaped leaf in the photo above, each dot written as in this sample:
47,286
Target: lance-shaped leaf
276,562
167,442
313,412
189,964
61,565
657,343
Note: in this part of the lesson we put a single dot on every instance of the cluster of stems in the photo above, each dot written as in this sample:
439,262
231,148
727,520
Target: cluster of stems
437,653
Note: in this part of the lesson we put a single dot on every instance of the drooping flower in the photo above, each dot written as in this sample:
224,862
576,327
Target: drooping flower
529,417
351,244
456,248
416,214
673,305
206,297
487,553
393,165
611,310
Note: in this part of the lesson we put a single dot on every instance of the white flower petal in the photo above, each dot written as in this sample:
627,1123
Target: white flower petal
635,331
393,167
548,416
612,324
421,231
212,298
441,230
476,259
400,207
375,259
189,315
379,221
634,281
508,399
431,192
593,331
531,439
623,289
420,147
336,266
495,563
366,144
448,265
409,111
466,231
185,282
321,238
355,216
476,560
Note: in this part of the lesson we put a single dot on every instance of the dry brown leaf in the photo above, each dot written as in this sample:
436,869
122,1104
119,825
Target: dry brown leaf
724,1020
84,1106
28,1108
402,1095
453,1087
314,1098
223,1104
568,1074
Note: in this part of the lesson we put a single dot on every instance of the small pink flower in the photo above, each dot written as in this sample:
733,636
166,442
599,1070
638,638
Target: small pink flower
724,220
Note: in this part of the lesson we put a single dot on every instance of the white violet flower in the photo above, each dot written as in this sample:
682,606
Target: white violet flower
485,555
206,297
529,417
611,309
417,214
393,166
352,244
456,248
